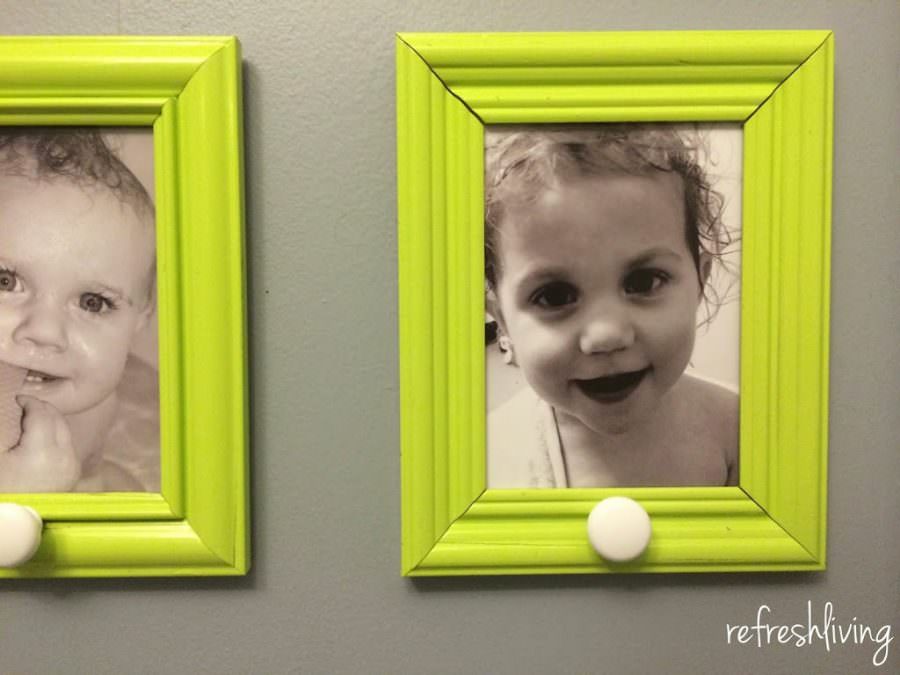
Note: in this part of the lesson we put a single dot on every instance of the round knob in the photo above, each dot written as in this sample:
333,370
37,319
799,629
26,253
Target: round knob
619,529
20,534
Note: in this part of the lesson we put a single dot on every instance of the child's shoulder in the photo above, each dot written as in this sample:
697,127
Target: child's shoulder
714,405
520,433
716,410
718,396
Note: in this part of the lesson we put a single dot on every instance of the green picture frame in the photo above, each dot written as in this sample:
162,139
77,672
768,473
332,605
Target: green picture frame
779,85
188,89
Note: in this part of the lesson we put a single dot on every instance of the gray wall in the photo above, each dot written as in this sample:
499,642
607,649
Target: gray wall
325,595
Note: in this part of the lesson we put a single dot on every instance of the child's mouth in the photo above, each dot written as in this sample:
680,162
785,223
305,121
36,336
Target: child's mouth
38,377
612,388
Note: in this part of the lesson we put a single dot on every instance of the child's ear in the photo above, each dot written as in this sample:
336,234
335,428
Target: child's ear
147,311
492,306
144,316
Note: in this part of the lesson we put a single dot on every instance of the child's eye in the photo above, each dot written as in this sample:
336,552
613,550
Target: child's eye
554,296
9,281
645,281
95,303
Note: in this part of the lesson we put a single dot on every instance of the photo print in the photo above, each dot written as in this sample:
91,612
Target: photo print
79,386
612,268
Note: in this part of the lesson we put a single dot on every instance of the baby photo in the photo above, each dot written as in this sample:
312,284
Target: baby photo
79,388
612,287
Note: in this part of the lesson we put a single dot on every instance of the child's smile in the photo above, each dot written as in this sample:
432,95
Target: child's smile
37,377
37,380
612,388
598,293
75,269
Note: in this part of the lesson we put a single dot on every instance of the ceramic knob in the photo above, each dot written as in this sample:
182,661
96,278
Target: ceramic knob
20,534
619,529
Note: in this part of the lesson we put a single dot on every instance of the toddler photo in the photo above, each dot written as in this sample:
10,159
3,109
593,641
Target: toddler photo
611,279
79,401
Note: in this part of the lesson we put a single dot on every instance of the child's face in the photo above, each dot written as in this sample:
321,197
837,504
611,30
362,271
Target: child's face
75,275
598,294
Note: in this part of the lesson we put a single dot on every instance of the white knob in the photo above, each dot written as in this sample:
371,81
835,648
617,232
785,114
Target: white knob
20,534
619,529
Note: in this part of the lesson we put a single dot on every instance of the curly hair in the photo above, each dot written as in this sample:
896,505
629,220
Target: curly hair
521,163
78,155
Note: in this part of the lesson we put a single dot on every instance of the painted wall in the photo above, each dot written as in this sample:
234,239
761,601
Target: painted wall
325,595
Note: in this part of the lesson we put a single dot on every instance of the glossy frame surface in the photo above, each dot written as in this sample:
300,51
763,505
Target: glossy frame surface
779,84
189,90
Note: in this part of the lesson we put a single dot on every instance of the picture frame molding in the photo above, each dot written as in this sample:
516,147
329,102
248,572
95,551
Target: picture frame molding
188,89
779,85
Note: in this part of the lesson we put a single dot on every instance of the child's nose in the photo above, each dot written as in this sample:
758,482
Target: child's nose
608,332
43,327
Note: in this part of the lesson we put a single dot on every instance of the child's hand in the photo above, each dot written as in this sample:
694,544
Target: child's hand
44,460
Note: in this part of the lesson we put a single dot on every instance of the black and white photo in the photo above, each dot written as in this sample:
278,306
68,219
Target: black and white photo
611,272
79,401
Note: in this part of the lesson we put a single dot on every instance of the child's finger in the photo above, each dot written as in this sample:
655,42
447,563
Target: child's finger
61,429
44,459
42,424
11,380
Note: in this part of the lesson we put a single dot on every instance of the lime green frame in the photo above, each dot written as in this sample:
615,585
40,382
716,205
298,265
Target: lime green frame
779,84
189,90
